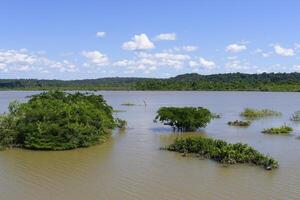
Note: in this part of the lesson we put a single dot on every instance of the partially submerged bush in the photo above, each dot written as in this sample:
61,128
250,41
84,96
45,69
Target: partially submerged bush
296,116
222,151
215,115
239,123
278,130
184,119
56,121
128,104
253,113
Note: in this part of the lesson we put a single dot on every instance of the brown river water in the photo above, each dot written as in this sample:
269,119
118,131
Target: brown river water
131,166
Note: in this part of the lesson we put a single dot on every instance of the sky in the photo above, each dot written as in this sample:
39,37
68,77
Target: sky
72,39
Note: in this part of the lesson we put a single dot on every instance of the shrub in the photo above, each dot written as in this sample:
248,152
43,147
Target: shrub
239,123
253,113
222,151
57,120
184,119
278,130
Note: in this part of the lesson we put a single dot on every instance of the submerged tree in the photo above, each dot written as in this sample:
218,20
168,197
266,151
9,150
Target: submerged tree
184,119
56,121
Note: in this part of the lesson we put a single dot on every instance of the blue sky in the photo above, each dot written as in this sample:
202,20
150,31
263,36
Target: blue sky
89,39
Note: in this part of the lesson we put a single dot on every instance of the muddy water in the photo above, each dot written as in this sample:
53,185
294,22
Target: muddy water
131,166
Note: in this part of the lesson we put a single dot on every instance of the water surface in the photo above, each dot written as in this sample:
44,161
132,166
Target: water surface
131,166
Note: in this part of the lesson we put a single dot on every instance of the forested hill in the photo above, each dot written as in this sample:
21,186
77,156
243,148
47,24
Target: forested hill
215,82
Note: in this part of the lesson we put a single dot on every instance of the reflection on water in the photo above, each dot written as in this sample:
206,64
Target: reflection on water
131,166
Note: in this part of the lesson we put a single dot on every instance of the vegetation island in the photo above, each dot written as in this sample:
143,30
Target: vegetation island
57,120
283,130
239,123
254,113
286,82
222,151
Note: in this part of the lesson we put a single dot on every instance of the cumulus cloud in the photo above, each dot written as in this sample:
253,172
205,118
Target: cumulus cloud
206,64
296,68
166,36
138,42
95,58
236,48
100,34
235,64
24,61
148,62
189,48
279,50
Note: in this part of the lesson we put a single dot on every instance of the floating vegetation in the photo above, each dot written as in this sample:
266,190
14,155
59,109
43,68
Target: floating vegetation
296,116
118,111
184,119
239,123
128,104
222,151
215,115
283,130
254,113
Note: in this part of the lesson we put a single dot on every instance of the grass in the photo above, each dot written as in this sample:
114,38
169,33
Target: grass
239,123
254,113
283,130
222,151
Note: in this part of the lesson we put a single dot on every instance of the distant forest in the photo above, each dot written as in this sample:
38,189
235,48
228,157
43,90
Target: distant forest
194,82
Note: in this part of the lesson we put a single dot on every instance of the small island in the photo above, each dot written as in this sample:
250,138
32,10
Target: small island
222,151
185,118
58,120
239,123
254,113
283,130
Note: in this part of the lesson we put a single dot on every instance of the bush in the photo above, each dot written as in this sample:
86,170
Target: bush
239,123
278,130
56,121
184,119
253,113
222,151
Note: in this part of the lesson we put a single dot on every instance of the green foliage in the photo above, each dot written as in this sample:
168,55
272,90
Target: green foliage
278,130
253,113
57,120
184,119
296,116
214,82
215,116
222,151
239,123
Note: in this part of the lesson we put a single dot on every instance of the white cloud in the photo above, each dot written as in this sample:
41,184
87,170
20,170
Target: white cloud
166,36
148,62
189,48
234,63
296,68
206,64
24,61
96,58
283,51
138,42
100,34
236,48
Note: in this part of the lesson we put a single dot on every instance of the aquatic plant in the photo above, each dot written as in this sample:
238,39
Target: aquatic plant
222,151
185,118
296,116
278,130
57,120
254,113
128,104
215,115
239,123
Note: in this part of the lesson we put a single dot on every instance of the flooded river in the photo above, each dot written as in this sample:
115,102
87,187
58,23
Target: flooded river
131,166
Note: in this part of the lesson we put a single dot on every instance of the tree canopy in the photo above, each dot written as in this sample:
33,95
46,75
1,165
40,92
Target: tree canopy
184,119
57,120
